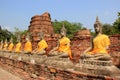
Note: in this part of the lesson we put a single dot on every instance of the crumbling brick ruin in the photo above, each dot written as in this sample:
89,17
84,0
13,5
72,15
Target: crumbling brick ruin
42,23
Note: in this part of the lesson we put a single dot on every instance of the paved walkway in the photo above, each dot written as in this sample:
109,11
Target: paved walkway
4,75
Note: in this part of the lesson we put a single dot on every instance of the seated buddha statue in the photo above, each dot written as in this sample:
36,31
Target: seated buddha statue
1,45
41,46
99,45
11,46
18,46
63,47
28,45
5,45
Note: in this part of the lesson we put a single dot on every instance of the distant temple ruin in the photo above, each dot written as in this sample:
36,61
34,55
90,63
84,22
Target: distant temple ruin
42,23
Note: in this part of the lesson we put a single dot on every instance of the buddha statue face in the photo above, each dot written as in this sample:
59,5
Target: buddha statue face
1,41
26,39
98,26
5,41
11,40
63,31
18,38
41,36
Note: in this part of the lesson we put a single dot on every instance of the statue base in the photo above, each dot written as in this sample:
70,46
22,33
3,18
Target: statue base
97,67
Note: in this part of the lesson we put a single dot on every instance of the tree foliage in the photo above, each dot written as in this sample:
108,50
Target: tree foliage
108,29
5,34
17,33
112,29
71,27
116,24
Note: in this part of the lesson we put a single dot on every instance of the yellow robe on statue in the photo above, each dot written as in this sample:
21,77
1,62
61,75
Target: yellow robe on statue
100,43
5,46
28,47
42,45
18,47
65,46
10,47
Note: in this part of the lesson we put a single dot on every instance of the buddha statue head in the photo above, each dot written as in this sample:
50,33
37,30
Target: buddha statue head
97,26
1,42
63,31
18,38
5,41
41,35
27,37
11,40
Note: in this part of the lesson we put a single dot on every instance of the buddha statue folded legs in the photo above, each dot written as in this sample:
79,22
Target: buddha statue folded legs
98,56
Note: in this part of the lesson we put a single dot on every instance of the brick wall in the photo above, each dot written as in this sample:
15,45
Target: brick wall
115,43
114,49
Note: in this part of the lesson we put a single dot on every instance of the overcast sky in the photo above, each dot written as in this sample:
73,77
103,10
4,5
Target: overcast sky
18,13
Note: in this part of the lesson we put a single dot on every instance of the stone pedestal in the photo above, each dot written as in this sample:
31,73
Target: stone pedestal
95,67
